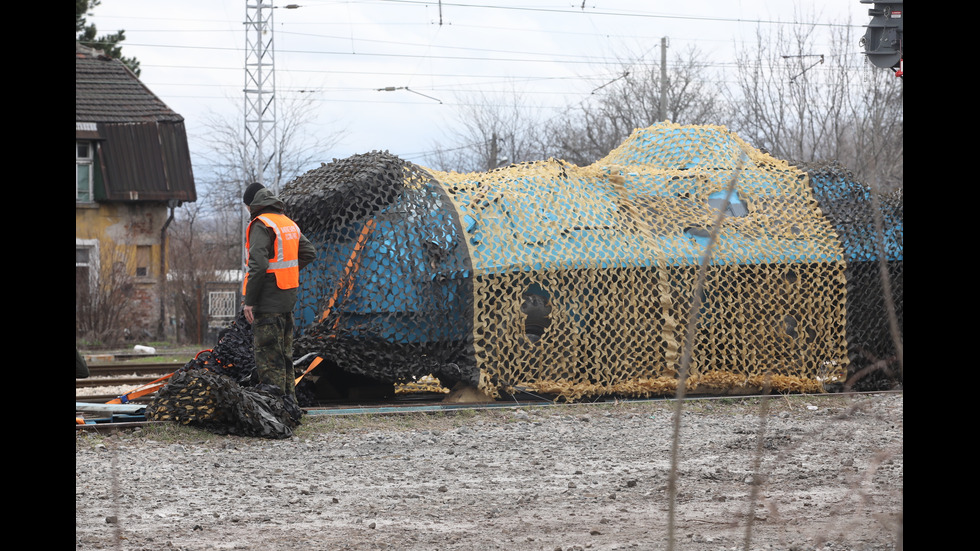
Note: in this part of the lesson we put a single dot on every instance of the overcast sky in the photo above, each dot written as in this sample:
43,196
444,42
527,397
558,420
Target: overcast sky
553,53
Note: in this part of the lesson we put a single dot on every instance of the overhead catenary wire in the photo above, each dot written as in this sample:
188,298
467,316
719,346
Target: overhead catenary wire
283,73
538,58
551,31
607,13
531,69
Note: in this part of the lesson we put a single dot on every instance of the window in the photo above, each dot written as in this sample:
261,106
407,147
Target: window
142,260
83,172
221,305
82,268
86,264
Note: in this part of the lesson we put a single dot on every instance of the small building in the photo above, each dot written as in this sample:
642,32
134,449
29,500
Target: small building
223,295
132,169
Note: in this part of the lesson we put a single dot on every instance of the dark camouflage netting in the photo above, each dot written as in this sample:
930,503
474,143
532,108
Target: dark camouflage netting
372,303
218,390
215,402
847,203
232,355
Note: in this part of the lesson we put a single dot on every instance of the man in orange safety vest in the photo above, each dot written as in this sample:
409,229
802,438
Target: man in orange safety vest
276,251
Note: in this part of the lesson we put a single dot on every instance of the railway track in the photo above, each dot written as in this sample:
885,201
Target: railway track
121,378
131,376
435,405
113,376
113,381
129,416
115,369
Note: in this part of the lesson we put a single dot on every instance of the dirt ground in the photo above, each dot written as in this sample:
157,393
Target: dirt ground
560,477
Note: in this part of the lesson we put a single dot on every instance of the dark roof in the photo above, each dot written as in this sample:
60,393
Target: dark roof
107,91
141,144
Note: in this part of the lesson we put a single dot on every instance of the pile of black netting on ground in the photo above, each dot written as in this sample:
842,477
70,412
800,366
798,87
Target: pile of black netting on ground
219,392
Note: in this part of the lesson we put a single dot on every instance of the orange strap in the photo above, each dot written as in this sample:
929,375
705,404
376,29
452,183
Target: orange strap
316,361
148,388
157,384
141,391
350,270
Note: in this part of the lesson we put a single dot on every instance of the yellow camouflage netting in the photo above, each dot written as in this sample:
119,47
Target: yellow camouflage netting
610,253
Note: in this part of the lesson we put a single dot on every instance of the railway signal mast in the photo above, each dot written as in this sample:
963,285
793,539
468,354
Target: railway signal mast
883,42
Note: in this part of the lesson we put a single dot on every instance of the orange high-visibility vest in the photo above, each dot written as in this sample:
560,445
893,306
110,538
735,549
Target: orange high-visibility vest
284,263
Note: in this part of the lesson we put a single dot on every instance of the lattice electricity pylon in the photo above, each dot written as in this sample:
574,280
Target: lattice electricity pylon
260,93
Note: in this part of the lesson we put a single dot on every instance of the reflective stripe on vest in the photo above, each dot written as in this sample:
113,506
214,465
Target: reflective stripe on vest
285,247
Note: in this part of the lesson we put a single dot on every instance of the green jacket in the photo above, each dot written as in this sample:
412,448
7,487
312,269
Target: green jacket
261,292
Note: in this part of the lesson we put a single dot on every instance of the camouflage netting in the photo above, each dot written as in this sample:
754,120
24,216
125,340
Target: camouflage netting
575,281
848,205
215,402
219,391
388,295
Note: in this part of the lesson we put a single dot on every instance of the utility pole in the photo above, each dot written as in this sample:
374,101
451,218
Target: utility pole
260,93
493,152
663,79
260,102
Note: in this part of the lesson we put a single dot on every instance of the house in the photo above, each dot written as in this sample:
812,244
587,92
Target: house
132,169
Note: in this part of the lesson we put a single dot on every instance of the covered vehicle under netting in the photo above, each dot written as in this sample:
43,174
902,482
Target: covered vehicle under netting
553,278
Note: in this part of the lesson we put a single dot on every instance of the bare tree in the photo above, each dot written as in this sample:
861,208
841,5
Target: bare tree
104,302
874,144
298,149
493,130
592,129
791,97
199,253
803,104
762,103
207,236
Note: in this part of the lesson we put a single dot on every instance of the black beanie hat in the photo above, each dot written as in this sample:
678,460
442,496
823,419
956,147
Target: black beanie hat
250,192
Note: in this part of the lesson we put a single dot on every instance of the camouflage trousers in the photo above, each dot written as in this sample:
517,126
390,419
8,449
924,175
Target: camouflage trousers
273,344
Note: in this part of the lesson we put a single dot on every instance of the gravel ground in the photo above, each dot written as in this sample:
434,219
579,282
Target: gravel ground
829,472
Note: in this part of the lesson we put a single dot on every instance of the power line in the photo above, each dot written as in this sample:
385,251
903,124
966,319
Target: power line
621,14
549,32
527,62
98,17
581,60
511,77
444,47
